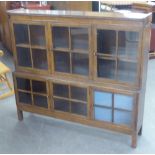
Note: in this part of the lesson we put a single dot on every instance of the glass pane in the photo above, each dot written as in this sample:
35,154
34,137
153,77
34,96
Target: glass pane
80,64
39,87
24,57
123,102
23,84
37,35
61,105
79,38
79,108
79,93
122,117
62,61
21,34
106,68
103,98
39,59
40,101
128,44
103,114
106,41
60,37
127,71
25,98
60,90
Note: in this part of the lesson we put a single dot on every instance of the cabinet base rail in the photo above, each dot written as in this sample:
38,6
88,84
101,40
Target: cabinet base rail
84,121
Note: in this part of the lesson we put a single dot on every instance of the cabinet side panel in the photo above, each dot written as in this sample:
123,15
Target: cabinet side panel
144,65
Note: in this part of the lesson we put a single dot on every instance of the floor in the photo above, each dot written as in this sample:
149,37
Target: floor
39,134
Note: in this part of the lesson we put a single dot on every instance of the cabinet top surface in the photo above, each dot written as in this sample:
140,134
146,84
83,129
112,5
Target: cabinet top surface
118,15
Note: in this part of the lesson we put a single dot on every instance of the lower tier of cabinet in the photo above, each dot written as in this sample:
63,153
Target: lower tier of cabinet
102,107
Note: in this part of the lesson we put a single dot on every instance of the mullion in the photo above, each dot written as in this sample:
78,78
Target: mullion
31,92
102,106
81,51
61,50
116,67
112,107
82,102
70,52
70,44
61,98
40,94
68,99
30,46
71,68
24,91
69,88
101,56
124,110
106,55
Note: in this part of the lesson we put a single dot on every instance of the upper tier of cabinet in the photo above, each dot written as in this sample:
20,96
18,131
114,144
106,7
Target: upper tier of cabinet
90,46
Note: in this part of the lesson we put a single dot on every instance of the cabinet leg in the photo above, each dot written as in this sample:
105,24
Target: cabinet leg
140,131
20,115
134,140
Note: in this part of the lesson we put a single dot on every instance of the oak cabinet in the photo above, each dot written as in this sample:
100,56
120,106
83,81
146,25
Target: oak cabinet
82,66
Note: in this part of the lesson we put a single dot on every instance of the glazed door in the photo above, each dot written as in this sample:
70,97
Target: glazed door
70,99
117,55
114,107
31,47
71,50
32,92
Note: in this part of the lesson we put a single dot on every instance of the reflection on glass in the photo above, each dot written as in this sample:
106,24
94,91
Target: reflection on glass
123,102
79,93
60,90
103,98
62,61
128,44
127,71
106,41
24,98
39,59
21,33
24,57
79,38
60,37
79,108
40,101
103,114
61,105
80,64
37,35
23,84
39,87
122,117
106,68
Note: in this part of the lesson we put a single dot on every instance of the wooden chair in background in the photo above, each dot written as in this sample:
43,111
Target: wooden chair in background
4,82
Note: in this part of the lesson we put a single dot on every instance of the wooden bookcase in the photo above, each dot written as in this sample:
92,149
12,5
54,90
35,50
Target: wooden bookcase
83,67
